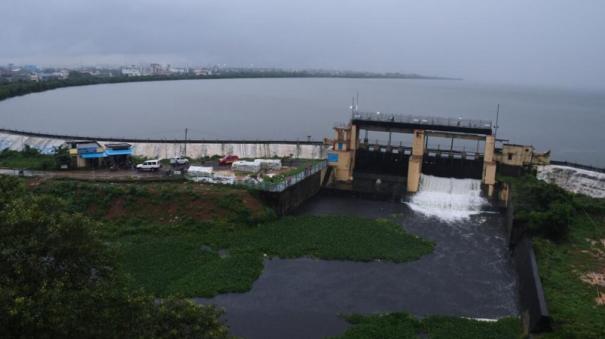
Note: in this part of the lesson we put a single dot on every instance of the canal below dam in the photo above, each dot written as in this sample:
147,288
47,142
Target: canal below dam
469,274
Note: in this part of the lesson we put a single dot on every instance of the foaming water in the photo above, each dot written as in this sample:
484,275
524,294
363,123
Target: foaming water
447,198
574,180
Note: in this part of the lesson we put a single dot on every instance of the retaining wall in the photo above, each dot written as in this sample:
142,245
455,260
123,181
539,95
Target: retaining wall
534,310
16,140
293,196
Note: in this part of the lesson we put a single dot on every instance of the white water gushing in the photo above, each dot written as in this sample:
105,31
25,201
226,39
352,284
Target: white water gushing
574,180
448,198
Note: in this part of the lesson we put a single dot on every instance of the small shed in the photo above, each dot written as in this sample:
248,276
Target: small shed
118,155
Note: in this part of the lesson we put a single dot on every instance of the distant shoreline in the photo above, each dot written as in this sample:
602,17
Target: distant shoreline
19,88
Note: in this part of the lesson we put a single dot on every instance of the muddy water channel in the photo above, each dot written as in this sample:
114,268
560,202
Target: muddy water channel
468,274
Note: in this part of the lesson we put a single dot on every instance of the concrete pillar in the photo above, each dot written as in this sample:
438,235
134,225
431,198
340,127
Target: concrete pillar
415,163
489,165
353,145
354,137
490,145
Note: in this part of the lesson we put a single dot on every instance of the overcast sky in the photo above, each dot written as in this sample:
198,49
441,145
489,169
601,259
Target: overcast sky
559,43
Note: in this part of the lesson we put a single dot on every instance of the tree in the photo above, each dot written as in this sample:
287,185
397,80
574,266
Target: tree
62,156
59,280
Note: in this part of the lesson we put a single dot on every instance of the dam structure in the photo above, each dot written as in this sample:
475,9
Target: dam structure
389,168
166,148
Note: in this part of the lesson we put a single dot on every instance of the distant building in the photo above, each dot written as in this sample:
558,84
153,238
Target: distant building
54,75
178,70
513,159
156,69
131,72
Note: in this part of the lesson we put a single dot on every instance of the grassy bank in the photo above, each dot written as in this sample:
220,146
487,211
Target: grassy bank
566,262
403,325
201,240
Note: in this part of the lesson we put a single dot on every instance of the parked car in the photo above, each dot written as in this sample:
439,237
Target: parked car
149,165
179,161
228,160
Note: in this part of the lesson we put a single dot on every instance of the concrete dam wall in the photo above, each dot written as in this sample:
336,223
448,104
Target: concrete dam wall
17,140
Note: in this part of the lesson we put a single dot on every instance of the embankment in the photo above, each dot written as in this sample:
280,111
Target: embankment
161,148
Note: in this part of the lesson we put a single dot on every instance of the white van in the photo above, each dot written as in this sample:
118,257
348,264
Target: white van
149,165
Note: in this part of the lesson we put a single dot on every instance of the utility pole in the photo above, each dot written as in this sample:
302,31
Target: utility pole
497,117
186,132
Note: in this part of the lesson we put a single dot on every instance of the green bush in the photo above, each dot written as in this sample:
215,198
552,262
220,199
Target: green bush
543,209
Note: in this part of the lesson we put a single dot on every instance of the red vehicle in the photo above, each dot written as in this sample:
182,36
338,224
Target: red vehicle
228,160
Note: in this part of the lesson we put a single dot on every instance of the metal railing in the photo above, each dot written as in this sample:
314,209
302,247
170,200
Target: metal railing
265,185
290,180
422,120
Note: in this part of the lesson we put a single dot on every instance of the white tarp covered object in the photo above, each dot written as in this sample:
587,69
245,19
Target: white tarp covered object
200,171
256,165
270,164
246,166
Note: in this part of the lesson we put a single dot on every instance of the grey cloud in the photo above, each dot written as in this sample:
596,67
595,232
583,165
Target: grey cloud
535,42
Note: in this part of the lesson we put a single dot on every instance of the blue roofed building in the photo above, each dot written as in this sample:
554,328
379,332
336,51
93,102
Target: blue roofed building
91,154
118,155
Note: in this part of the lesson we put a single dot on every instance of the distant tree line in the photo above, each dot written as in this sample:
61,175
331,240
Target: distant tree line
22,87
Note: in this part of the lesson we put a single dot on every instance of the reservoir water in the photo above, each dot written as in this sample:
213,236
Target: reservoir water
570,122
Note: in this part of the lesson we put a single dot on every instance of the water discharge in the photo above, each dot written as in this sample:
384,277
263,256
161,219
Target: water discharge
574,180
448,199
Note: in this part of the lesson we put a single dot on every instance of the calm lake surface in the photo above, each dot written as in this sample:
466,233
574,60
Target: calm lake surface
568,122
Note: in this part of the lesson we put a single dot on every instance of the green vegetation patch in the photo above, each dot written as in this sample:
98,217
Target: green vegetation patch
59,279
565,263
403,325
542,209
29,158
200,240
153,203
565,269
208,259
